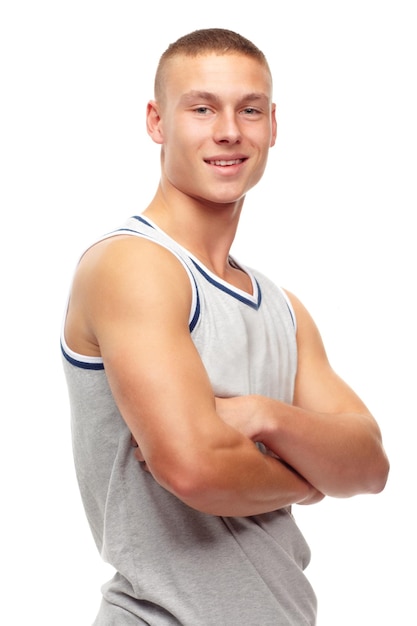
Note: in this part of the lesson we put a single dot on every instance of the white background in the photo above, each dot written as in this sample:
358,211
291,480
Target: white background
333,220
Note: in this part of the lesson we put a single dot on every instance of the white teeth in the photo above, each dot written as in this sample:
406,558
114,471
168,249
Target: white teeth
222,162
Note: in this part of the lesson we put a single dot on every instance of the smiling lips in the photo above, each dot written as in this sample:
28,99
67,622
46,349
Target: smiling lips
223,162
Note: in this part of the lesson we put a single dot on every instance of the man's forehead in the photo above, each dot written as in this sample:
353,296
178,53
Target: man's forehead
194,73
218,58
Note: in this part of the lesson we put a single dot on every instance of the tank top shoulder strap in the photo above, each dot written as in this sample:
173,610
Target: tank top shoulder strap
139,226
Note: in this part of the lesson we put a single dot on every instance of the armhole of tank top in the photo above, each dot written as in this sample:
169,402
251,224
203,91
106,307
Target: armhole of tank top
90,362
290,307
195,300
83,361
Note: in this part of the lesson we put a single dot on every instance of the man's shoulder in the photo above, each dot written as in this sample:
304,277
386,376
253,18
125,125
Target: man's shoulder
121,248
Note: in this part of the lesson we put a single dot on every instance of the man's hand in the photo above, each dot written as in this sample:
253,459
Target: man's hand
244,414
240,412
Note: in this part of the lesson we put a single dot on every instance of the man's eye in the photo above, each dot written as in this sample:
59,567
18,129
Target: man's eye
250,111
202,110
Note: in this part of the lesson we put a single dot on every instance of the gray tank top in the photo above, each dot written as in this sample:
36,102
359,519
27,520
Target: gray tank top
175,565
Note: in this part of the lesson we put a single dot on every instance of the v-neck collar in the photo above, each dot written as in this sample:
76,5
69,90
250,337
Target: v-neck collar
251,299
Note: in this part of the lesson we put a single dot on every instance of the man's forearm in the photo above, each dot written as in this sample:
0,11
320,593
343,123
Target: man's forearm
253,487
340,454
232,481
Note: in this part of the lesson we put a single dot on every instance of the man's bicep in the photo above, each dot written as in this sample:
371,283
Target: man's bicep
158,381
154,370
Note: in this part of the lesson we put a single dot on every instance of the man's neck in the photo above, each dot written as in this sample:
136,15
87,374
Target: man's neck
205,230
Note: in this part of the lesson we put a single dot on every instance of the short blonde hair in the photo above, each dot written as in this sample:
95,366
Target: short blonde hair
206,41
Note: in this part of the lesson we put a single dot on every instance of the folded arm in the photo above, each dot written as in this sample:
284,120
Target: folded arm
328,435
130,303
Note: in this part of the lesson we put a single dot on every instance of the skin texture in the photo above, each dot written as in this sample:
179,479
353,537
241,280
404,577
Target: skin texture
215,125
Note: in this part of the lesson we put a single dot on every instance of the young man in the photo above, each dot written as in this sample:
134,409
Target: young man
218,376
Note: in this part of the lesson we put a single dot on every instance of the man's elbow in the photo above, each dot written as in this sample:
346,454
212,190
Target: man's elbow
379,475
363,480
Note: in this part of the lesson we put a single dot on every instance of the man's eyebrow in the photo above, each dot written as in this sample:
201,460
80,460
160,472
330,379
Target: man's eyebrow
255,96
208,96
195,95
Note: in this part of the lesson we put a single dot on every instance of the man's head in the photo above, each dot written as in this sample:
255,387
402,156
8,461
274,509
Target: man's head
213,115
205,41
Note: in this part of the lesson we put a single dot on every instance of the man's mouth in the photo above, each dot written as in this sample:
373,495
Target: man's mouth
224,163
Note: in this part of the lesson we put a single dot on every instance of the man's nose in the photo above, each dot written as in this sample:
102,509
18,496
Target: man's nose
227,128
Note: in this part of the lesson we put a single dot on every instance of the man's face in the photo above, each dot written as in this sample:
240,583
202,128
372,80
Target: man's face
217,123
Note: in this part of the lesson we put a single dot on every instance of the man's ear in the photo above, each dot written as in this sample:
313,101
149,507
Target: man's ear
154,122
274,126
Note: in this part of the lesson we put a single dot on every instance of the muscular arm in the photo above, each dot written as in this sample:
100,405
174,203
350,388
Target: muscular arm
328,436
130,303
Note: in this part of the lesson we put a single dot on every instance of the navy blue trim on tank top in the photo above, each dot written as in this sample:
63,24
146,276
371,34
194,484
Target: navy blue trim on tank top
82,364
213,281
196,315
142,219
291,314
